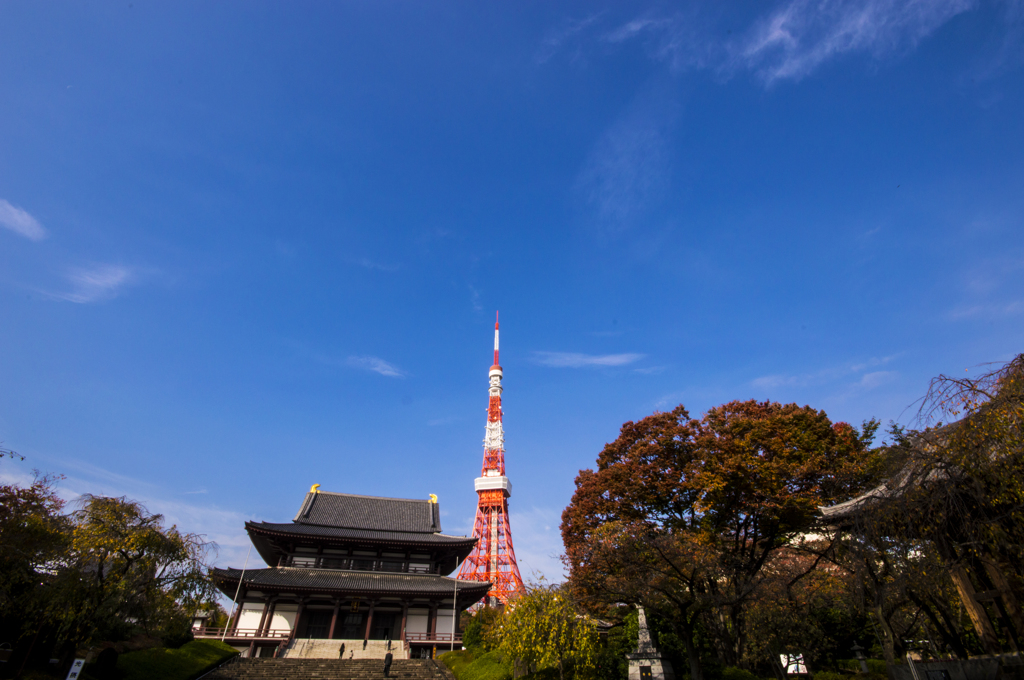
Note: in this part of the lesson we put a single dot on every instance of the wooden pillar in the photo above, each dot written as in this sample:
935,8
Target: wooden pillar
263,616
270,619
405,616
298,619
369,621
433,621
238,612
334,619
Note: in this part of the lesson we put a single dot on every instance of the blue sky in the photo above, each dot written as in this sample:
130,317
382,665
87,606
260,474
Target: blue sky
249,247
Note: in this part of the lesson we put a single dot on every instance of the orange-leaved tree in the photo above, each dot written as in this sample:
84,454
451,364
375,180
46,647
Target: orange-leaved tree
682,514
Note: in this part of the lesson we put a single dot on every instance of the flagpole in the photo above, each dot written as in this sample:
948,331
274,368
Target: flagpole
234,603
455,602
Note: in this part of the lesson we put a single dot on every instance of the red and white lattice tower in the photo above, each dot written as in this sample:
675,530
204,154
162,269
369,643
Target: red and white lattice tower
493,558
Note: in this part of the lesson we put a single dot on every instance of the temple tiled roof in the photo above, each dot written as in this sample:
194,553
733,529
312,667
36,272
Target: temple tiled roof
405,538
371,513
305,580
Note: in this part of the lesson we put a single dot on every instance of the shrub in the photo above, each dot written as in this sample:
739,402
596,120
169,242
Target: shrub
466,665
733,673
189,661
831,675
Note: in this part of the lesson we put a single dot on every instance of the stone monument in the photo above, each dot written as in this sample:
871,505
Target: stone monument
647,663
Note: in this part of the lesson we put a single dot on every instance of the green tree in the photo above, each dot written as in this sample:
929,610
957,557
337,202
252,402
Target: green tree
545,628
478,633
682,515
33,538
125,570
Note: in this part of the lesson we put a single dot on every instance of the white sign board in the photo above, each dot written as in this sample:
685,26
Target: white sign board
76,669
793,664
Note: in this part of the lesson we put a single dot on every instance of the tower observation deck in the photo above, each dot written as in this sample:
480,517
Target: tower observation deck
493,559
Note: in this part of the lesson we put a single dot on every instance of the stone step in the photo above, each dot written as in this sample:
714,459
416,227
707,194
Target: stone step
323,669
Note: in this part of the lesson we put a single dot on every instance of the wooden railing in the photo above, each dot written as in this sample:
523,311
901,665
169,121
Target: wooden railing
356,564
245,633
436,637
253,634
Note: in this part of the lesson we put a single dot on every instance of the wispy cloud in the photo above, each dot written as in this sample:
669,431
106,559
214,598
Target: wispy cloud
556,39
993,310
803,34
367,263
94,284
20,222
832,374
790,41
628,172
577,360
877,379
474,299
651,370
375,364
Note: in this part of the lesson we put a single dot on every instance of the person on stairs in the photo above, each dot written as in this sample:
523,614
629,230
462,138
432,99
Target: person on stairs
387,664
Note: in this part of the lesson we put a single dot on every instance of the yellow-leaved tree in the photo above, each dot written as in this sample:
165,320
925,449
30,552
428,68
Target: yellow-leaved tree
543,628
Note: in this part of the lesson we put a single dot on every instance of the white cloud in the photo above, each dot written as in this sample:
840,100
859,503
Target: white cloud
577,360
627,172
830,375
994,310
101,282
790,41
367,263
877,378
375,364
803,34
20,222
556,39
651,370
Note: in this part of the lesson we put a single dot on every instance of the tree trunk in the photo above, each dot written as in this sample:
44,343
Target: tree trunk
691,653
888,639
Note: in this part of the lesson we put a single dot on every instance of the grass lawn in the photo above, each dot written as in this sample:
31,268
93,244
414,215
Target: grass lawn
188,661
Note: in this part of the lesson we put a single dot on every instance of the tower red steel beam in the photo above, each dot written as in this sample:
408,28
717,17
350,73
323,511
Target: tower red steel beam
493,558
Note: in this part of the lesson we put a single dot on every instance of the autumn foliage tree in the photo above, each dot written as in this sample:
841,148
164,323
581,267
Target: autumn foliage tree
544,628
682,515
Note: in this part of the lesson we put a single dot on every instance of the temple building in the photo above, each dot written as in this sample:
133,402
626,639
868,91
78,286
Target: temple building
350,576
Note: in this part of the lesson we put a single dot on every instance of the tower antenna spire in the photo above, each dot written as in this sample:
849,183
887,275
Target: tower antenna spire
493,559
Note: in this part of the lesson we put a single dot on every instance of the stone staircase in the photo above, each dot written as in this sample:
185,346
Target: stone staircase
329,669
313,648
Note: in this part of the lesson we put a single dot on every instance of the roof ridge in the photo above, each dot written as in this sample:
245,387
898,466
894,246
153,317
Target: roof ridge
379,498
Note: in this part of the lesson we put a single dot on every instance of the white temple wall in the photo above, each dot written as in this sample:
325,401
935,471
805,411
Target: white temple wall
284,617
417,621
252,612
444,623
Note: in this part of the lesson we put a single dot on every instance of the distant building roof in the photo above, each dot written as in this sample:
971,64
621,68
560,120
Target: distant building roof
372,513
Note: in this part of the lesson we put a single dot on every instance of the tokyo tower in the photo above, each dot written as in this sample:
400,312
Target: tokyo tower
493,558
